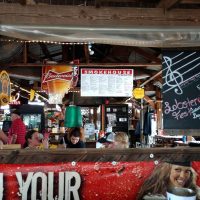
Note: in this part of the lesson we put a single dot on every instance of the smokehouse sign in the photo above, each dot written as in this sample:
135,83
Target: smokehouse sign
106,82
181,90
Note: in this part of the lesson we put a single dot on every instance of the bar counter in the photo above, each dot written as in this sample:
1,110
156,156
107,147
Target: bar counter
25,156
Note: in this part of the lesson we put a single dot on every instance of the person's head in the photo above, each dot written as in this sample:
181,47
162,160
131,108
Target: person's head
75,135
107,141
167,175
33,138
15,114
121,140
180,175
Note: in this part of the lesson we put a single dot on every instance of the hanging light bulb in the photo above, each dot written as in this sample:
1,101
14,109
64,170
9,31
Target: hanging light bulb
91,52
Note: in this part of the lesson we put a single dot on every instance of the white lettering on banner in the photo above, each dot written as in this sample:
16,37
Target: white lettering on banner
24,185
51,184
65,191
1,186
74,188
34,185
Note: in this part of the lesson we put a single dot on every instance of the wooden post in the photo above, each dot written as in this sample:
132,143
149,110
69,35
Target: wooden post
102,117
159,110
142,122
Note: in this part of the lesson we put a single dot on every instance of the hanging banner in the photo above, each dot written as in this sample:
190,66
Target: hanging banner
106,82
93,180
57,80
181,91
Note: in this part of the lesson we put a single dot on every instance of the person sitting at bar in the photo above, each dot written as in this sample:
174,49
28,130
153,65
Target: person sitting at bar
17,130
74,138
118,140
3,137
106,141
121,140
169,175
34,140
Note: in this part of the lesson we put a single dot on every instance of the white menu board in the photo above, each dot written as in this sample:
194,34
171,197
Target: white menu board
106,82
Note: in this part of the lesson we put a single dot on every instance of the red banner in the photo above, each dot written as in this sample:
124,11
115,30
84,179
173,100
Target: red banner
81,180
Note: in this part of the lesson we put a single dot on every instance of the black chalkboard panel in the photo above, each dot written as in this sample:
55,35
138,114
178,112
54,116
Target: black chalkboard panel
181,89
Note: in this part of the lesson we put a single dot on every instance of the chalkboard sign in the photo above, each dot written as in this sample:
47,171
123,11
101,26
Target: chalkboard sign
181,90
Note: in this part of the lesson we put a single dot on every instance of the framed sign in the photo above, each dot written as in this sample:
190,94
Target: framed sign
106,82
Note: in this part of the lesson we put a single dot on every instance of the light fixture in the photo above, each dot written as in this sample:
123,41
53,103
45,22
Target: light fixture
73,117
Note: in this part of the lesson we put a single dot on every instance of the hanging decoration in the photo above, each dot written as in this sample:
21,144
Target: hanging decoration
4,99
32,94
138,93
5,88
57,80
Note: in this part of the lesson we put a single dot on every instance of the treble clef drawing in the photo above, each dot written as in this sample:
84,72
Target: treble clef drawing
173,78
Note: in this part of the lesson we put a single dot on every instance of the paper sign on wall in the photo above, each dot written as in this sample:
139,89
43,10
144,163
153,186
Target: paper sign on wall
106,82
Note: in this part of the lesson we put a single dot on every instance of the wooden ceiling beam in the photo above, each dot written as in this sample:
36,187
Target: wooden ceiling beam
109,65
87,16
99,3
149,101
45,50
167,4
190,1
25,53
86,52
158,74
147,55
64,53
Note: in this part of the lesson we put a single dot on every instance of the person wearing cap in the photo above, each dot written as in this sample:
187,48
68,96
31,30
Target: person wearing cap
17,130
169,175
106,141
118,140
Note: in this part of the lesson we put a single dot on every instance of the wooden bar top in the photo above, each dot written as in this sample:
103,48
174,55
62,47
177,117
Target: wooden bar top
23,156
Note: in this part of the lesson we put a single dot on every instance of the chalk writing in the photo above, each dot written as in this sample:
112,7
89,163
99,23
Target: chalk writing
195,114
182,109
173,78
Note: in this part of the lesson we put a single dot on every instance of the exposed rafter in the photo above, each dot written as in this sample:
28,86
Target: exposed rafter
45,50
110,65
147,55
190,1
17,14
167,4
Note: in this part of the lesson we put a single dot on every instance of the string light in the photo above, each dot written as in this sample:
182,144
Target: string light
75,91
45,41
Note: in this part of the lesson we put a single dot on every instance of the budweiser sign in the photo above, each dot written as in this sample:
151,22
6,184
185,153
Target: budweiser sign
51,75
57,80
